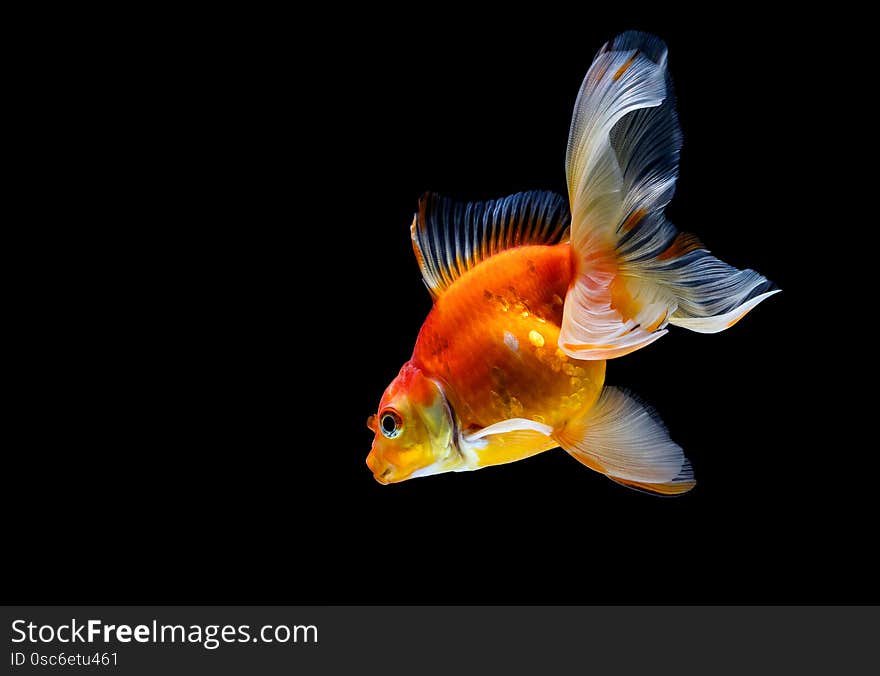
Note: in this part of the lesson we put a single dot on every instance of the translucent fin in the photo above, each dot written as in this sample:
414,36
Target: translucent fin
712,295
626,440
635,272
678,486
510,425
449,238
505,441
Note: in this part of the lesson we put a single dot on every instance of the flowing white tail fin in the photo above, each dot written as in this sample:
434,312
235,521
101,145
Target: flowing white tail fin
635,272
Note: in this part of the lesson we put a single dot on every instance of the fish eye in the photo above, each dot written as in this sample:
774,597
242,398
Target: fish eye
390,424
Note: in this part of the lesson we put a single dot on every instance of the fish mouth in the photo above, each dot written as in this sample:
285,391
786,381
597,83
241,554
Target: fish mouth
382,471
391,475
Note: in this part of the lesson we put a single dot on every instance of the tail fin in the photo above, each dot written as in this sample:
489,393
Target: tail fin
626,441
635,272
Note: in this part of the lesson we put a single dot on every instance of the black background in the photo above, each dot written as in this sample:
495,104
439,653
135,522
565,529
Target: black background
243,290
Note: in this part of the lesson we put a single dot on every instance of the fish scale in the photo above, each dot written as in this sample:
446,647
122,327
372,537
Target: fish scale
487,378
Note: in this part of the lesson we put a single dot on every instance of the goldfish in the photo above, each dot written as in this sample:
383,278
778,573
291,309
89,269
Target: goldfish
533,293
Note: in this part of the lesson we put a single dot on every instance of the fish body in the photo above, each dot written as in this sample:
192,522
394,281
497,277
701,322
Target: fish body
491,340
533,293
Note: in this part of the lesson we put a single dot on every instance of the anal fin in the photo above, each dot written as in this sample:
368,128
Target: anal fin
625,440
681,484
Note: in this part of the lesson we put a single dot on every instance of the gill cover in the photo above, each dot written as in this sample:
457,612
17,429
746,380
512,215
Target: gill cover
414,430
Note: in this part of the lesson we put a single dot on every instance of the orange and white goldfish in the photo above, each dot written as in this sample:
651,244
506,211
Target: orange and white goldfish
530,299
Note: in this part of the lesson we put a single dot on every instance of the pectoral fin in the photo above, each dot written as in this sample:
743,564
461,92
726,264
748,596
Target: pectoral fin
506,441
510,425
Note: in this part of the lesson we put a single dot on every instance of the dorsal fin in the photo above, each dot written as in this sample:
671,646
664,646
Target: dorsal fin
449,238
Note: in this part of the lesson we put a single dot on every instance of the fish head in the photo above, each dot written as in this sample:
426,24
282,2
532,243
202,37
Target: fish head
414,430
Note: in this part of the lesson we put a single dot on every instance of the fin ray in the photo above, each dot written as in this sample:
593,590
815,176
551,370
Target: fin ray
635,272
449,238
625,439
678,486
